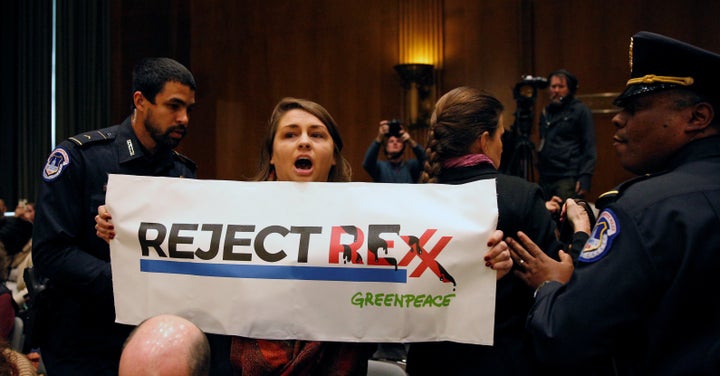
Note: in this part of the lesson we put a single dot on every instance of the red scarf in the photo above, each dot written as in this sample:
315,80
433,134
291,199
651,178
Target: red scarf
468,160
258,357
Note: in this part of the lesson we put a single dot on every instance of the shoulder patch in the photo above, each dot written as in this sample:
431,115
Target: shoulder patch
56,163
92,137
598,245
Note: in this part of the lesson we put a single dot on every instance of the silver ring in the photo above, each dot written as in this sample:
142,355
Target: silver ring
522,261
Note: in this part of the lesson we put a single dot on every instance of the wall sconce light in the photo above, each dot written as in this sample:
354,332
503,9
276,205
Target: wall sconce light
418,80
420,57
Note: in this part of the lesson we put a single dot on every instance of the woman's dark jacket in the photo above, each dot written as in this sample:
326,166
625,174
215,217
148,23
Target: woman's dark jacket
520,208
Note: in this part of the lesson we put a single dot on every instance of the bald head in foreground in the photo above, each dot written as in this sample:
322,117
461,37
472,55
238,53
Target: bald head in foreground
166,345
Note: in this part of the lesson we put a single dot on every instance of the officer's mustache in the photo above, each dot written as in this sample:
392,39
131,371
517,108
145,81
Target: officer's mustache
180,128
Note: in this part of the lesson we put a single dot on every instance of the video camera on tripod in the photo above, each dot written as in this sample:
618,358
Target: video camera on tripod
517,157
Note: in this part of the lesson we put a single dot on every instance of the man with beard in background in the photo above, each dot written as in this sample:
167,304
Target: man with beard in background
566,154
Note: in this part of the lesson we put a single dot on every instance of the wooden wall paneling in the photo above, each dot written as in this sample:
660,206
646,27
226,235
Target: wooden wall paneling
143,29
220,37
482,48
339,54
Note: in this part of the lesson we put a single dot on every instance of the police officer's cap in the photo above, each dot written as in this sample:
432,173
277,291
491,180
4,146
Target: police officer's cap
661,63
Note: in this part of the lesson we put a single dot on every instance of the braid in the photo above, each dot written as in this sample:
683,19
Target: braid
433,166
460,117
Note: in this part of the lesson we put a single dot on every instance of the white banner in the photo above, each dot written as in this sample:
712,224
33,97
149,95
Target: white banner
355,262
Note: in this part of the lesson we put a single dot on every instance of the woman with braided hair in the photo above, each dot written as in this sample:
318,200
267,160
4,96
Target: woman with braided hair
464,145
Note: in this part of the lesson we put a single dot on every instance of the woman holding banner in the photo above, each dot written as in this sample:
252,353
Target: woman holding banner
302,144
464,145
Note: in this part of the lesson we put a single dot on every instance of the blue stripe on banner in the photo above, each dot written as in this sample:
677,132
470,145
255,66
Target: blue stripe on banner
308,273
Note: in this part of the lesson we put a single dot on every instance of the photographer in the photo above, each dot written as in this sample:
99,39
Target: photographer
395,169
566,154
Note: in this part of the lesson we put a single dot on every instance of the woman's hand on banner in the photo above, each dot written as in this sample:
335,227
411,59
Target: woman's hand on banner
498,256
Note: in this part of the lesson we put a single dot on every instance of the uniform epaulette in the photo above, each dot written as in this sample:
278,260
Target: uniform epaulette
93,136
187,161
609,197
606,199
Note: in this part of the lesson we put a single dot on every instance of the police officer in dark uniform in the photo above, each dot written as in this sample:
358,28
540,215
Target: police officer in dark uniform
77,316
642,292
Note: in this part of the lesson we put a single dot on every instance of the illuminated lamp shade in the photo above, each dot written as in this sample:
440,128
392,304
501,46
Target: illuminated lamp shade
420,57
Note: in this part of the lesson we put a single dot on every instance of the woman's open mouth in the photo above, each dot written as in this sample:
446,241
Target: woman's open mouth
303,165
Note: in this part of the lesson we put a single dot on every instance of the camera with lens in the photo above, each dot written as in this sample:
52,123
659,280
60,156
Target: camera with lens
394,126
527,88
517,156
525,93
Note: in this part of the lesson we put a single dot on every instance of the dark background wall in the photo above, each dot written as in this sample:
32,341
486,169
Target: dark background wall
247,55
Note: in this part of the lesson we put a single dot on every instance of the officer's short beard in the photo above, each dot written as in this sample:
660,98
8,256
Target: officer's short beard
163,139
